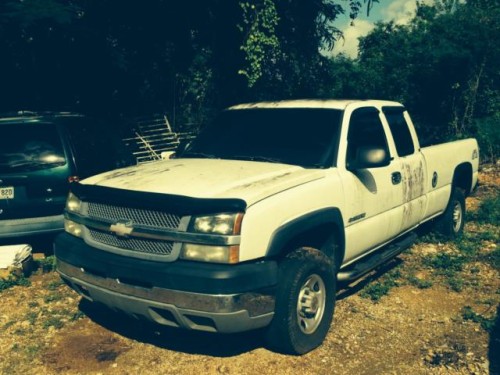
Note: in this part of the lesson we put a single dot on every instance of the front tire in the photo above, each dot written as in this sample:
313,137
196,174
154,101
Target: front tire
452,221
305,302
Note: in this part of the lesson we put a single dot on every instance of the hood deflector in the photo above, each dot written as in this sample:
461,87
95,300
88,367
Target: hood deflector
176,204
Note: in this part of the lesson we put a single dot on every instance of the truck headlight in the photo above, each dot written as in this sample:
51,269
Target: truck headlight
73,228
225,224
73,203
209,253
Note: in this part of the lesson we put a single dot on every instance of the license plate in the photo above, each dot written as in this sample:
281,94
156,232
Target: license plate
7,192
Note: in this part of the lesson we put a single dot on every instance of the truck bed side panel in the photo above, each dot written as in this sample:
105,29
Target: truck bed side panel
442,161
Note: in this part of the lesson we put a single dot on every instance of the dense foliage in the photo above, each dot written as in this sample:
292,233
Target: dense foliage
443,66
191,58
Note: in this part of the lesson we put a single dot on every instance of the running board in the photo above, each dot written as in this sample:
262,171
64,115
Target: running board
374,260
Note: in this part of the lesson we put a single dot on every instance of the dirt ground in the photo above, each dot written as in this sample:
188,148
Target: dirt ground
422,323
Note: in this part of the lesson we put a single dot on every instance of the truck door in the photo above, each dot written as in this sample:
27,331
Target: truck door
374,196
412,166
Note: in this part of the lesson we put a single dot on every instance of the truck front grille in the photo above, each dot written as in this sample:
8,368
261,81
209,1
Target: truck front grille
151,218
140,245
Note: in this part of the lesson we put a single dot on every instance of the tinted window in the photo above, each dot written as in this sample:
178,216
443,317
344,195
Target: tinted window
365,130
95,146
299,136
400,130
30,146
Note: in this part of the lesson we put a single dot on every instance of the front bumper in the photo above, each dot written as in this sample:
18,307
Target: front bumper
11,228
206,297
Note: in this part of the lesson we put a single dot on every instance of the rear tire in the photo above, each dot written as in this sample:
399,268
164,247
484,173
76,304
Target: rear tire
305,302
452,221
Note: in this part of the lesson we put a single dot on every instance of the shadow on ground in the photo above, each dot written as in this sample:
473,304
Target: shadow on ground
349,289
494,348
42,243
192,342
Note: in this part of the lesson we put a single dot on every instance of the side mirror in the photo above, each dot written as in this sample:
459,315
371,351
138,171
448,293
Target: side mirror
369,157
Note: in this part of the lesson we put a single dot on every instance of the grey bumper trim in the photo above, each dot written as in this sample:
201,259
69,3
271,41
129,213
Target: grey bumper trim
204,312
31,226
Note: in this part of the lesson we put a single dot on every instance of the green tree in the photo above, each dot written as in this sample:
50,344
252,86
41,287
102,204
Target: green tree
443,66
188,58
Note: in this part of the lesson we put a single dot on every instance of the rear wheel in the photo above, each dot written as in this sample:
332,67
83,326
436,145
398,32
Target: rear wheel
452,221
305,302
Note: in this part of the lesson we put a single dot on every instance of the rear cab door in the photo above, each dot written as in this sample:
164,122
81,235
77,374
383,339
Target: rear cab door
413,168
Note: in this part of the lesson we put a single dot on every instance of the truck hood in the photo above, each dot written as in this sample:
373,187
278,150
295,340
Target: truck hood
209,178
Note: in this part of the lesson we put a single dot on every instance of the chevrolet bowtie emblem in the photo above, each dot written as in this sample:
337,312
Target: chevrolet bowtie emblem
122,228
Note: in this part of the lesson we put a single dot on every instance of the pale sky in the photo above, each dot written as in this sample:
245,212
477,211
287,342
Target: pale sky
399,11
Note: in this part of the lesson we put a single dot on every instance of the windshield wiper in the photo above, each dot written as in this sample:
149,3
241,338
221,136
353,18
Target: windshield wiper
197,155
256,158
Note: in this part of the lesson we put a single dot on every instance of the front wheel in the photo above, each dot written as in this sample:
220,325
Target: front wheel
452,221
305,302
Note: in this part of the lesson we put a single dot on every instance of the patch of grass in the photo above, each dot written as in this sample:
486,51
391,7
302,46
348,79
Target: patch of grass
419,283
488,211
77,316
430,237
468,244
445,264
32,351
20,332
53,297
486,323
448,266
13,280
456,284
53,321
487,235
53,285
9,324
494,258
376,290
31,317
47,264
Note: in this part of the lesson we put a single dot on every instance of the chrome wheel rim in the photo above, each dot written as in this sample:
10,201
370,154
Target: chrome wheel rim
457,217
311,304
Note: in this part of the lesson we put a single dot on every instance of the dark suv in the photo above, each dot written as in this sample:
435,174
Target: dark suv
40,154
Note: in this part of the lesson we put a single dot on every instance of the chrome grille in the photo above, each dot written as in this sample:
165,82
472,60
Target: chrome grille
138,216
136,244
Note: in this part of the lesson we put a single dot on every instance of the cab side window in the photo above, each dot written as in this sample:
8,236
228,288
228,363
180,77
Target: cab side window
365,130
400,130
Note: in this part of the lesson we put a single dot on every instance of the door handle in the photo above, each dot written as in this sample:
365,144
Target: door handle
396,178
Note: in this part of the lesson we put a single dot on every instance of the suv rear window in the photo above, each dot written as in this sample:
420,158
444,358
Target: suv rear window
97,149
30,147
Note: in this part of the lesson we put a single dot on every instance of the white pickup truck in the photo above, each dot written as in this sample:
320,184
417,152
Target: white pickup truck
257,220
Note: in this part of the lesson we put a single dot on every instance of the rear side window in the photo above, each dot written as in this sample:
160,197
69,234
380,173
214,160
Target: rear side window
400,130
28,147
95,147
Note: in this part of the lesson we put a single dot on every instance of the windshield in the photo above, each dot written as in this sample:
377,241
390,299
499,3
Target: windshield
29,147
298,136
